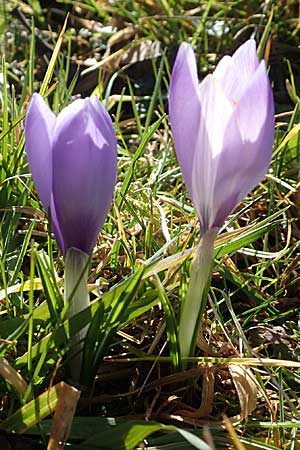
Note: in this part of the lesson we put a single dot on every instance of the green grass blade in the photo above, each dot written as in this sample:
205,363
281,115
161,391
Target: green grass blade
171,322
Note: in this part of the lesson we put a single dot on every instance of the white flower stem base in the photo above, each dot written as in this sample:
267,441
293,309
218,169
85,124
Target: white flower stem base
76,296
195,301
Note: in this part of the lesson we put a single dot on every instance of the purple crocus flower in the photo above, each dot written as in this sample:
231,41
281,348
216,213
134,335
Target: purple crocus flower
223,133
223,129
73,161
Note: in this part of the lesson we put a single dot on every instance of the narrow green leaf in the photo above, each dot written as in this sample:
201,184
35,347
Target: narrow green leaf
171,322
130,172
97,343
33,412
49,282
51,65
128,435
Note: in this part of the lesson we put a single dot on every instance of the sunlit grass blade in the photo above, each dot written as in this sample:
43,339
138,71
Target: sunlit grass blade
33,412
171,322
50,286
130,172
52,62
128,435
103,326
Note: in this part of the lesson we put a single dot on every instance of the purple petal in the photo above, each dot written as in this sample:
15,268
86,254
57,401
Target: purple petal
245,59
216,114
184,109
39,126
235,73
248,146
228,179
56,228
101,116
255,106
84,168
228,131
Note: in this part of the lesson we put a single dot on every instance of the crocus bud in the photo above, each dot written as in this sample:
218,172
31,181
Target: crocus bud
223,129
73,161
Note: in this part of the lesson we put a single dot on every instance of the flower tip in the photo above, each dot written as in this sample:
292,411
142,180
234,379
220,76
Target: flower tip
247,46
95,101
185,51
96,105
250,42
185,67
184,46
247,50
36,96
36,101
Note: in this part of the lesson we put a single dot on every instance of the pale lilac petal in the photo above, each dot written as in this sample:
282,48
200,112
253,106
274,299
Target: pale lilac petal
224,68
84,166
235,73
39,126
253,109
216,113
101,116
184,109
248,147
228,179
246,60
66,116
231,141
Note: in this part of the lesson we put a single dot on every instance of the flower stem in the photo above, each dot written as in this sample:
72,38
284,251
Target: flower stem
194,304
77,297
